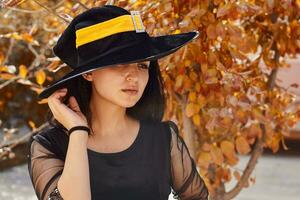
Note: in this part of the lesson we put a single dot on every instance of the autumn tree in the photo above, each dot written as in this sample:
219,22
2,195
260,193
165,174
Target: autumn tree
221,88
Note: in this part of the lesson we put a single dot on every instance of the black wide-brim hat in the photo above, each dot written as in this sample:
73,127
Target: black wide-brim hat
106,36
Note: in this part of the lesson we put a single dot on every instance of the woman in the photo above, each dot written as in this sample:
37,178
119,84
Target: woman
107,139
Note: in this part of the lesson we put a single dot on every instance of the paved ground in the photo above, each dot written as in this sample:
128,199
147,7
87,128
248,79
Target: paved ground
277,178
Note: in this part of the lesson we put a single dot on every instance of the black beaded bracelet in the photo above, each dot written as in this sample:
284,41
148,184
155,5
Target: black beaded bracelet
85,128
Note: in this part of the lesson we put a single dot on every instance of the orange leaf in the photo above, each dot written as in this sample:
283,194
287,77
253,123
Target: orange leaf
31,124
206,146
7,76
237,175
204,159
227,148
187,83
227,174
53,66
179,81
27,37
211,31
242,145
43,101
197,87
217,155
232,161
223,10
193,76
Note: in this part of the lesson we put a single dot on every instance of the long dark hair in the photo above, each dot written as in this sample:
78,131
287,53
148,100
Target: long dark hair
151,105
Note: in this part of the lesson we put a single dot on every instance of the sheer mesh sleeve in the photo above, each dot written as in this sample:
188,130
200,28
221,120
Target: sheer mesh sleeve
45,169
186,181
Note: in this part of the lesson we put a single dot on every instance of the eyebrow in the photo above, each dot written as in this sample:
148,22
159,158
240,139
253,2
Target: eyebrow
144,62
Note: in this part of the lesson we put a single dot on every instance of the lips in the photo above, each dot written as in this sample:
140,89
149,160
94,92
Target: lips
130,89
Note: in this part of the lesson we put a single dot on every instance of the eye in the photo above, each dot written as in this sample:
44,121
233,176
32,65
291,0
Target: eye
143,65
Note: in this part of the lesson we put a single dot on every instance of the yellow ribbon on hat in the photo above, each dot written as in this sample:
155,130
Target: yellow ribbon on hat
116,25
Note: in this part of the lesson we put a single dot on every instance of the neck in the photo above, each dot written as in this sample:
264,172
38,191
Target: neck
108,119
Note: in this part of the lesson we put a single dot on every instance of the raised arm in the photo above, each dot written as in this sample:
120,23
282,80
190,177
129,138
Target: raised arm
186,181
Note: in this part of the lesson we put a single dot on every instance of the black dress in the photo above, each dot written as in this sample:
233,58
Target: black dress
154,165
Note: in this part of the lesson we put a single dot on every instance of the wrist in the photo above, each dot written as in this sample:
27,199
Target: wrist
79,135
79,129
76,124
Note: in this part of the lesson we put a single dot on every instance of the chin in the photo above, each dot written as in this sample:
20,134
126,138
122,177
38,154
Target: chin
129,105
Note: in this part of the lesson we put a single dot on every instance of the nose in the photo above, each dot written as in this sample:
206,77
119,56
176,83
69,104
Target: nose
132,72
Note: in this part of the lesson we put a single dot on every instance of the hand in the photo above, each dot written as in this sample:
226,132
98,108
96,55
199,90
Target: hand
68,115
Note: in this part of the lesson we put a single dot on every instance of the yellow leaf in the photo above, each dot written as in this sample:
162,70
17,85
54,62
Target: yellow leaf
217,155
190,110
176,31
16,36
196,119
22,71
192,96
31,124
40,77
187,63
242,146
1,57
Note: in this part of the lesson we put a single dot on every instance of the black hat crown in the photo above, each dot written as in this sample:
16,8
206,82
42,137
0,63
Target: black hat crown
97,33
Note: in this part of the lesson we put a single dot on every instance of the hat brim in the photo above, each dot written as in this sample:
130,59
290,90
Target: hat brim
152,49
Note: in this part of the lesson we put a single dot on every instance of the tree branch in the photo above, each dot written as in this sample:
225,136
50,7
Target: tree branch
81,4
52,11
5,149
258,147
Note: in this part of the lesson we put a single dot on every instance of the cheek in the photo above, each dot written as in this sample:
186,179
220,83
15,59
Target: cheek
105,83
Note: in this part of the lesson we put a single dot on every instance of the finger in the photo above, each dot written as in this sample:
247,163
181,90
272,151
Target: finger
55,99
73,104
58,94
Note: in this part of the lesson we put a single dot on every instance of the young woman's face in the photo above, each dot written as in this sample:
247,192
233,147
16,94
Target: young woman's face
111,82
